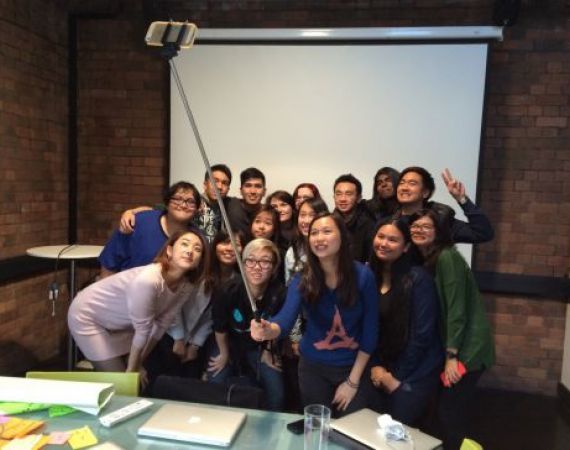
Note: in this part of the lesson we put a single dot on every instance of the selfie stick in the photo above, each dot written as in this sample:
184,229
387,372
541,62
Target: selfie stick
170,50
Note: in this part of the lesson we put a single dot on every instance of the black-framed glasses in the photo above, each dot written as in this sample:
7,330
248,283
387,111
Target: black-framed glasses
179,201
264,264
421,227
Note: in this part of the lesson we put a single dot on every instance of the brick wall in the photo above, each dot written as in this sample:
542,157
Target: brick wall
525,167
33,170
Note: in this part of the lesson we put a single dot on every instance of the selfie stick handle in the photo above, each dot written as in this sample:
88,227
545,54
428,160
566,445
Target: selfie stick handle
171,50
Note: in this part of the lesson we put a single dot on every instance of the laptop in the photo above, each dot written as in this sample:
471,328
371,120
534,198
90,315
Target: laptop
362,426
194,424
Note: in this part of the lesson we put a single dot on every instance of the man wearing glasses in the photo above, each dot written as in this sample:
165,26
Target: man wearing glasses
125,251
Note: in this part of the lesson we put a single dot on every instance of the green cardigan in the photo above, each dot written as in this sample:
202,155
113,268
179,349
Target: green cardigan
464,323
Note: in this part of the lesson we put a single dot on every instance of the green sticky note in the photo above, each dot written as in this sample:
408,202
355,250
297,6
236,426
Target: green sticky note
60,410
21,407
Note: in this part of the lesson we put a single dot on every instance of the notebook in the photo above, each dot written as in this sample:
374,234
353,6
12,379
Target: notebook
194,424
362,426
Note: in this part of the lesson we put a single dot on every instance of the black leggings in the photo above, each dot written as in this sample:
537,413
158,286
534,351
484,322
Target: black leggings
318,383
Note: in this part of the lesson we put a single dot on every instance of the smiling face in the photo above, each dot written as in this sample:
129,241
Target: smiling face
389,243
284,209
186,252
384,186
182,206
411,190
259,267
222,183
306,216
263,226
423,232
345,197
225,252
324,238
253,191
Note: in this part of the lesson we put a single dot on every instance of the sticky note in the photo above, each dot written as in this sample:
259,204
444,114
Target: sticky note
25,443
60,410
4,419
58,437
82,437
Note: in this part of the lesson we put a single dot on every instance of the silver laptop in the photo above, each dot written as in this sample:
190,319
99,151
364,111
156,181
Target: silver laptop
194,424
362,426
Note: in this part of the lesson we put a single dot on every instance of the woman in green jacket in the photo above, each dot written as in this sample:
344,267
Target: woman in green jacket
466,332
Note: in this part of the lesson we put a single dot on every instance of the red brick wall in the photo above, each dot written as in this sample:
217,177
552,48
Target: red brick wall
525,168
33,170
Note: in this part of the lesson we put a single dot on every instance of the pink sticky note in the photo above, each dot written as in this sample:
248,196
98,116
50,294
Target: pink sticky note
4,419
58,437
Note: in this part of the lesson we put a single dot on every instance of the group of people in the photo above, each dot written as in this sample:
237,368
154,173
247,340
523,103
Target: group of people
367,305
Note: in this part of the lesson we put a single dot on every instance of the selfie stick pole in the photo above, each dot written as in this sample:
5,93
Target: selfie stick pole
170,50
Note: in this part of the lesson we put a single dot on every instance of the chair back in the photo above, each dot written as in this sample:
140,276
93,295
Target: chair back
126,383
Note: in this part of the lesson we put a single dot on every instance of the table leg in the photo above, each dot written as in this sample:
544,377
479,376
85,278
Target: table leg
71,349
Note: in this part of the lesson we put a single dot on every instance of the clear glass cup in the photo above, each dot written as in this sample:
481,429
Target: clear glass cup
317,427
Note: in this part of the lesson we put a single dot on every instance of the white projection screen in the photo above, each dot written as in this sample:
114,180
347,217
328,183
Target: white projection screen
309,113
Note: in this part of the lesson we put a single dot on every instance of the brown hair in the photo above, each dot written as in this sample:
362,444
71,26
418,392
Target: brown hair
193,276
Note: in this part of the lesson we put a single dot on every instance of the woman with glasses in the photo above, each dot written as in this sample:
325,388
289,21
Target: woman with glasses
237,354
340,303
118,320
124,251
466,333
409,357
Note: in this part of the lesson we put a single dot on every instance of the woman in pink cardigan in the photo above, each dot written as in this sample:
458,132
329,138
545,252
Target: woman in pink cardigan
117,321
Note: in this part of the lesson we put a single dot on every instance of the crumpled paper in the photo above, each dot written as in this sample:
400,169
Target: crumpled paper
392,429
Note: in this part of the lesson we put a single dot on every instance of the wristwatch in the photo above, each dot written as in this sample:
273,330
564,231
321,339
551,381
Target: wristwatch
450,354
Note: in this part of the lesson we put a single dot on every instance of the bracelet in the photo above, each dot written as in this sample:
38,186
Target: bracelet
351,384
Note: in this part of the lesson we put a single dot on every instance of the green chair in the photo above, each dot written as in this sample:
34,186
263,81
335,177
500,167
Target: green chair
126,383
470,444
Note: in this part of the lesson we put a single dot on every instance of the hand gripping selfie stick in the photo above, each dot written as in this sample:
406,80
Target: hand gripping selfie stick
173,36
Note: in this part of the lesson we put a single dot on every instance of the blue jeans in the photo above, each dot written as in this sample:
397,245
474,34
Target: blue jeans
257,373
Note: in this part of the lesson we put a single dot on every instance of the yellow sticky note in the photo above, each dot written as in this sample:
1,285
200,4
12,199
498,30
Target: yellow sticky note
81,437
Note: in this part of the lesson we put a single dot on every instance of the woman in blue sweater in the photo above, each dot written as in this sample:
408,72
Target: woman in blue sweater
340,303
409,356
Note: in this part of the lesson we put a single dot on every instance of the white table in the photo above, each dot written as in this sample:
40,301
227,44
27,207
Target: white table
72,253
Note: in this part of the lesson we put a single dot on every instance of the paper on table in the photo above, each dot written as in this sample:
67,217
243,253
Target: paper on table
81,437
85,396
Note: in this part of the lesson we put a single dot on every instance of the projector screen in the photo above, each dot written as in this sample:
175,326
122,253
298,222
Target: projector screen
309,113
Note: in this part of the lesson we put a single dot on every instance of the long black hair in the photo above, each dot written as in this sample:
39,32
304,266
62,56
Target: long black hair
214,278
313,286
395,306
442,228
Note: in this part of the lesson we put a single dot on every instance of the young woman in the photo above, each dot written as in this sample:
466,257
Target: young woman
340,303
296,255
409,356
127,313
284,204
466,332
265,224
237,353
384,202
182,350
303,192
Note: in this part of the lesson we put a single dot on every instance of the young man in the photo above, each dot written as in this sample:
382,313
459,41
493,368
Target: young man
415,188
208,218
241,210
358,219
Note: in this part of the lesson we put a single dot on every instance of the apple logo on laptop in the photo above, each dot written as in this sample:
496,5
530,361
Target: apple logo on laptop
194,419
